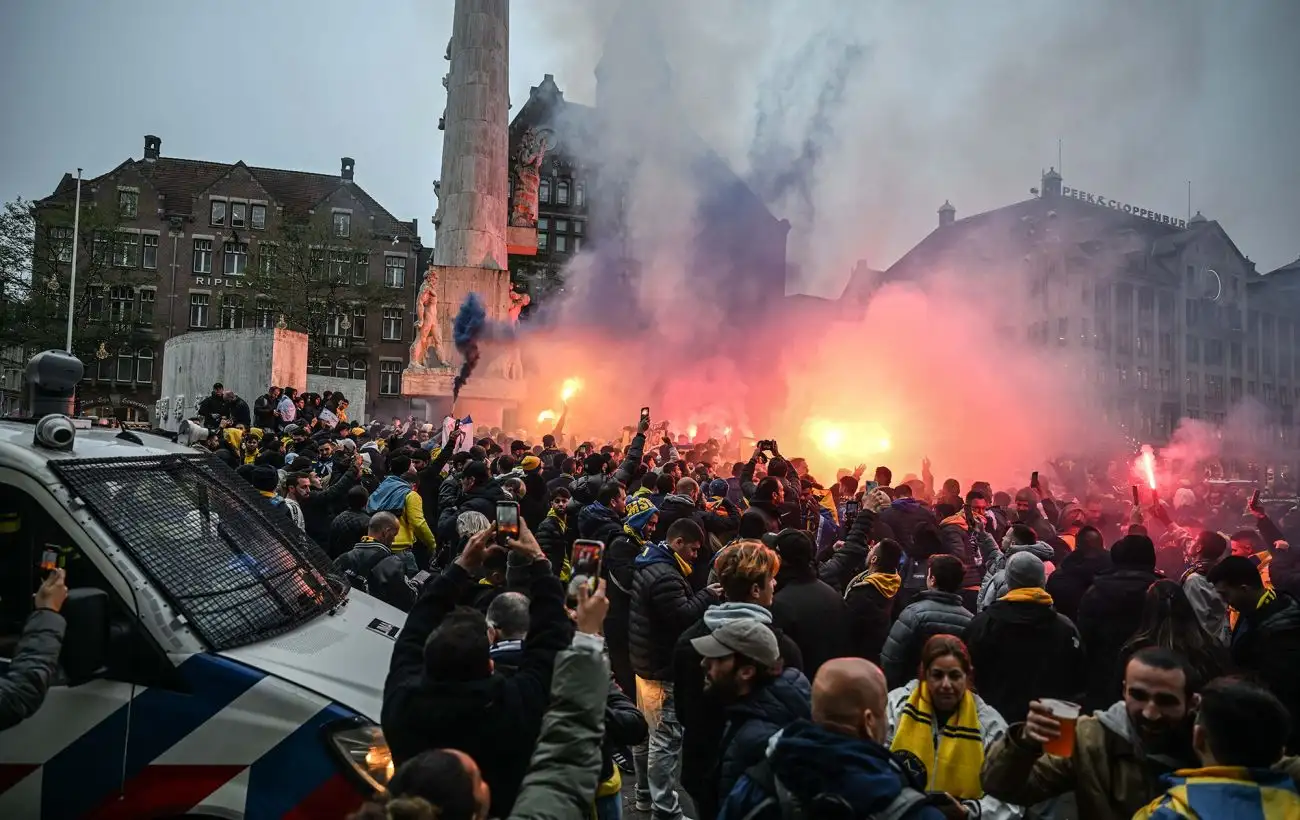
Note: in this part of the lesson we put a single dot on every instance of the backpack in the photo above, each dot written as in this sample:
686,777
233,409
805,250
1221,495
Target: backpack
824,806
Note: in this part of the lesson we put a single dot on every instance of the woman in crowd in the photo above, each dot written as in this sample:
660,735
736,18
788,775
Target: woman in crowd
1169,622
938,722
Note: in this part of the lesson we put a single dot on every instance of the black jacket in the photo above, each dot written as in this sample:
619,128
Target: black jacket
495,719
373,567
849,560
1266,645
212,410
677,507
239,413
702,717
320,507
1109,614
483,499
556,540
1023,651
264,412
1073,578
599,523
903,516
346,529
663,605
813,614
625,727
932,612
536,501
753,720
869,616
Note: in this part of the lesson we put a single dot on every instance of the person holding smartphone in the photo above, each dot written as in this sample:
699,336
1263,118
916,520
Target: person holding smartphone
36,657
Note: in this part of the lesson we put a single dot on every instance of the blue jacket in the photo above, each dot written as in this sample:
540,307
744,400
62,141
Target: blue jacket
389,496
810,760
1225,791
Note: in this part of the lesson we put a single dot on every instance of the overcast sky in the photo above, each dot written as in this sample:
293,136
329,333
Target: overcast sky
938,100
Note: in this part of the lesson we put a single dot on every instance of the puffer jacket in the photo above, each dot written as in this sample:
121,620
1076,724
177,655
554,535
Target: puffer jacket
932,612
373,567
753,720
1074,577
972,546
556,540
346,529
598,523
483,499
663,605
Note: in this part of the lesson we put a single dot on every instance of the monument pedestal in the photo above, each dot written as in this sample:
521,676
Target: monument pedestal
485,398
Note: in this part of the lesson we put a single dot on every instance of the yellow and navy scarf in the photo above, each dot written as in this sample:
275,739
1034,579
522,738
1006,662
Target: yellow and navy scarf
955,767
1225,791
886,583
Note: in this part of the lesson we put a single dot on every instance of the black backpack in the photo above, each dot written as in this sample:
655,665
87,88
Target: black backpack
826,806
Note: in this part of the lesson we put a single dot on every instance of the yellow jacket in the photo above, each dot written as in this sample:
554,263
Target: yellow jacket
411,524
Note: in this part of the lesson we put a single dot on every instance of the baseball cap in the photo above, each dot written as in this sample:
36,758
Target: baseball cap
745,637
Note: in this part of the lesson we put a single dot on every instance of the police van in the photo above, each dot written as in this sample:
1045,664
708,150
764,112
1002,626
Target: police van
214,665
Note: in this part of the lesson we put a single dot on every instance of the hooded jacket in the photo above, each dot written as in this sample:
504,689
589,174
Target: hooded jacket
813,614
1074,577
994,585
903,516
972,546
1109,614
663,605
379,572
870,600
483,499
1022,650
1266,643
396,495
811,760
347,528
753,720
932,612
701,713
556,538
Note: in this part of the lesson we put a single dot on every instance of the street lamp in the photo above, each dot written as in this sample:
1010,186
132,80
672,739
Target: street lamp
281,324
102,353
346,324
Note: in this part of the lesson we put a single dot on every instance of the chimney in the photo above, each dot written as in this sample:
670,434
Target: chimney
947,214
152,147
1051,183
345,171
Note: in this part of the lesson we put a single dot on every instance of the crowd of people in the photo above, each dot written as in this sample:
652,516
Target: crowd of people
772,646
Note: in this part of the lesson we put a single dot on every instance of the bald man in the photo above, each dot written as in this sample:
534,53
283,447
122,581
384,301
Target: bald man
372,567
835,758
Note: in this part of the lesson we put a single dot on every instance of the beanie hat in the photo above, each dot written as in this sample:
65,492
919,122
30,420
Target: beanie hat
638,512
718,487
1134,552
1024,569
530,463
265,478
358,431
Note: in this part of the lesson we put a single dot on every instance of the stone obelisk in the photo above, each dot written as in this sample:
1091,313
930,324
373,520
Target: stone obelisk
470,252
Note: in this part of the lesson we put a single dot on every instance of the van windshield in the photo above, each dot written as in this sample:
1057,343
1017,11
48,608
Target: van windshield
207,540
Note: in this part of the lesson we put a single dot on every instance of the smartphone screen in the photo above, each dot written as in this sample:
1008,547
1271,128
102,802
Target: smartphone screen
850,509
645,414
1254,499
49,560
507,521
586,558
1033,479
1135,495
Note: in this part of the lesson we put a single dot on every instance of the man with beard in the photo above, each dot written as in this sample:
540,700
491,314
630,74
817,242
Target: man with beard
1119,754
742,667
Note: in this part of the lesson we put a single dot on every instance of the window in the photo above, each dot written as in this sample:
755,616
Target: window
577,244
1144,343
1193,349
562,225
561,243
150,259
394,272
358,321
578,224
1166,380
1214,351
126,250
324,367
218,212
238,212
265,313
61,240
579,195
1234,389
390,378
543,240
125,365
1166,347
127,203
148,297
1234,354
120,302
203,256
266,253
1143,378
144,365
359,369
393,324
106,370
1252,359
342,224
1192,313
94,302
1193,386
562,193
543,191
99,248
341,368
1214,387
232,312
199,309
543,223
235,256
258,213
340,261
361,269
334,332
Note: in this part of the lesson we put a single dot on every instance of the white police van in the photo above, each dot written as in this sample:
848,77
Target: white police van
214,664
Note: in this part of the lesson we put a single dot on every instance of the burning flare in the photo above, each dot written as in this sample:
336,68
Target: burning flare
545,416
570,389
1147,464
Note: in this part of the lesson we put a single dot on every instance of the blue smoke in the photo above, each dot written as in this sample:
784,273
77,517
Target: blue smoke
466,330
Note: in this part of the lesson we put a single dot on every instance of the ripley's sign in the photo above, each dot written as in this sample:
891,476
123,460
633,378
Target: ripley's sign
1098,199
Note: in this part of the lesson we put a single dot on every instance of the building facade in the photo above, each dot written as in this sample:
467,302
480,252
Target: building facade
202,245
1180,322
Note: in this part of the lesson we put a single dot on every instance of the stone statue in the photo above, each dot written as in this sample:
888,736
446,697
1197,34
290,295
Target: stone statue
518,301
437,213
528,175
428,332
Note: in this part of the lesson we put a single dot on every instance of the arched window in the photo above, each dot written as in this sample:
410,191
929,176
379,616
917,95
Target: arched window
544,191
562,193
144,365
341,368
324,367
125,365
359,369
579,195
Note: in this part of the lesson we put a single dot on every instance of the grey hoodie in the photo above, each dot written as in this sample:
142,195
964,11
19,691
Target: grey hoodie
994,585
724,613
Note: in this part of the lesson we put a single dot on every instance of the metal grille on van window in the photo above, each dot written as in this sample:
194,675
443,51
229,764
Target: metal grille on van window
238,570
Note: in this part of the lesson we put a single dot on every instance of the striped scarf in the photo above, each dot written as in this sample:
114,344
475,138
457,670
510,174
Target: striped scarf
955,766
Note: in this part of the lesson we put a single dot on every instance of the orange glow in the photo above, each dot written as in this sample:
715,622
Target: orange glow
691,430
545,416
1147,462
570,388
844,442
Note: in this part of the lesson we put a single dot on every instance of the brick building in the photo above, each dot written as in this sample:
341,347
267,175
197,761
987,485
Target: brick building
201,245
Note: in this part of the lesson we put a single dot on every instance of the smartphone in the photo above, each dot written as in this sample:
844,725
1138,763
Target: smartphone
586,560
49,560
1033,479
420,577
507,521
645,414
872,486
851,508
1136,502
1254,500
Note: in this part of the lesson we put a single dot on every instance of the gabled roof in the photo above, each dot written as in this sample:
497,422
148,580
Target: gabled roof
1290,269
178,181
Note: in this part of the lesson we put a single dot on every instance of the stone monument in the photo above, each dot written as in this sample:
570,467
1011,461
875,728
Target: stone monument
472,225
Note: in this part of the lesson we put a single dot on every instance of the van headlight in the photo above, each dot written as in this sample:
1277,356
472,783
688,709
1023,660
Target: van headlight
361,747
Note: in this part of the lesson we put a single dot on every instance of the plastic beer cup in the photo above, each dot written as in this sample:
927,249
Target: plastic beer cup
1068,714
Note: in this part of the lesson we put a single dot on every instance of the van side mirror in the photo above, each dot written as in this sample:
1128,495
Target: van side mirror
85,643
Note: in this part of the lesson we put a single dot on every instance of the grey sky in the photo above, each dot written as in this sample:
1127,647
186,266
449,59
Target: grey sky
963,101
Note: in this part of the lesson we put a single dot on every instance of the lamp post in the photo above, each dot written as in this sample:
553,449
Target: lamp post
72,286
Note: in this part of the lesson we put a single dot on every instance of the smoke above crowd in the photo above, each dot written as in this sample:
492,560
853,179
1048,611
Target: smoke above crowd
802,101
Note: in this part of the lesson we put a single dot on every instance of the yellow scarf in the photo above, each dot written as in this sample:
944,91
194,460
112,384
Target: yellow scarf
955,767
566,571
886,583
1034,595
